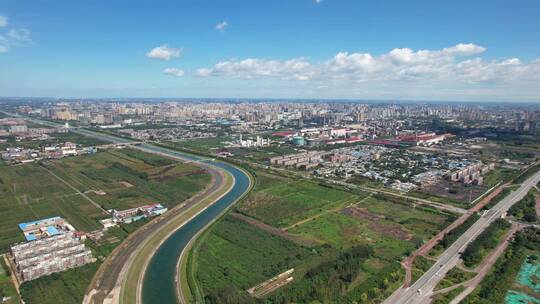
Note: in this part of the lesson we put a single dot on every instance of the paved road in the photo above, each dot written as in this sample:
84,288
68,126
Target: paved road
422,289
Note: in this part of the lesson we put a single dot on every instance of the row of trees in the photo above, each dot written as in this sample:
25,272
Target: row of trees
525,209
329,280
486,241
495,285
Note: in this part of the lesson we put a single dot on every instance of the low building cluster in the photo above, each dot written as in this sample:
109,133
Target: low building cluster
17,128
170,133
471,174
22,155
253,143
306,160
52,246
44,228
133,214
424,139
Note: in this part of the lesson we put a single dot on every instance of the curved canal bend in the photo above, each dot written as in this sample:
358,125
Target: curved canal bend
159,284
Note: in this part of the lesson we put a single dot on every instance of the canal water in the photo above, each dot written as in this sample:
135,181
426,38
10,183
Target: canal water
159,281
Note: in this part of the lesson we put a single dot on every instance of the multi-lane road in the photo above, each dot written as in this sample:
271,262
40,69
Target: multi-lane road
422,289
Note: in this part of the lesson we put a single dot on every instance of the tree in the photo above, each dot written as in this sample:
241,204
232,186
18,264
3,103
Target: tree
364,297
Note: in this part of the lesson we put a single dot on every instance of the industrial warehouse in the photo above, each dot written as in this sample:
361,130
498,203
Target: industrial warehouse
52,246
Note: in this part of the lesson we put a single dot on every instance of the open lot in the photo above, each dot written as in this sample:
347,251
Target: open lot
355,240
128,178
30,191
287,202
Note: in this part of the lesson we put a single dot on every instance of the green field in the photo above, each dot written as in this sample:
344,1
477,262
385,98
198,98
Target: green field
354,240
203,144
130,178
453,277
221,269
30,192
112,179
59,288
285,203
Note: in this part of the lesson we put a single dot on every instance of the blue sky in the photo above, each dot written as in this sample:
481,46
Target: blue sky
427,50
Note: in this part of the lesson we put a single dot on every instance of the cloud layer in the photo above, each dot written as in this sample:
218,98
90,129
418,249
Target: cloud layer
174,72
163,52
12,36
3,21
458,64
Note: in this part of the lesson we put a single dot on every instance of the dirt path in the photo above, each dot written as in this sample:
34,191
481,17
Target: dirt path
98,206
323,213
275,231
538,206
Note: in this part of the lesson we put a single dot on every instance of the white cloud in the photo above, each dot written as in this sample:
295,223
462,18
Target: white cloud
3,21
14,37
164,52
249,68
174,72
456,66
318,1
21,34
222,25
203,72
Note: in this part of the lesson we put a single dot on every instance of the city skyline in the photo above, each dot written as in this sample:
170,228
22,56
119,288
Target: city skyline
304,49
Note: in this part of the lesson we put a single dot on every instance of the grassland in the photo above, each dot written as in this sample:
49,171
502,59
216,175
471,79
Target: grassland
222,269
7,289
354,239
453,277
131,178
446,298
29,192
113,179
284,204
203,144
59,288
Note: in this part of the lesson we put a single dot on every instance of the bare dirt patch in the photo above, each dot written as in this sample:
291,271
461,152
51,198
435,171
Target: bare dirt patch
96,192
126,184
375,223
455,191
275,231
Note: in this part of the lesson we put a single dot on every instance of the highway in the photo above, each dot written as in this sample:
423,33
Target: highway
422,289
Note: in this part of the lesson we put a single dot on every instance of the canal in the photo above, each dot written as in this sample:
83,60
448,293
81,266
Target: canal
159,284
